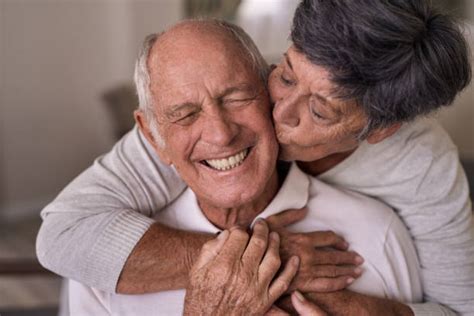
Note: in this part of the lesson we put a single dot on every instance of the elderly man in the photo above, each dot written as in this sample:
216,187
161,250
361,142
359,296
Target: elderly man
213,125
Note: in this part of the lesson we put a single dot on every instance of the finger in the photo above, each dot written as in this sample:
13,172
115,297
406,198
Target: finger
211,249
271,261
305,307
257,245
287,217
328,271
326,239
276,311
333,257
332,271
323,285
283,281
234,246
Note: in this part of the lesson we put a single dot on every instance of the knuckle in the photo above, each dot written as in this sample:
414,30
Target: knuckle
260,242
300,238
307,258
274,261
282,284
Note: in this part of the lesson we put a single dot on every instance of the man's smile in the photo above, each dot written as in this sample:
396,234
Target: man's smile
227,163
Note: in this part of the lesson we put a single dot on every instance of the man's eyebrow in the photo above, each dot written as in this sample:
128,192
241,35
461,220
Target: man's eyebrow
288,61
238,88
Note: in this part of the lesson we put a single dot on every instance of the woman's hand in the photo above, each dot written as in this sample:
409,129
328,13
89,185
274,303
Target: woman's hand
325,263
235,276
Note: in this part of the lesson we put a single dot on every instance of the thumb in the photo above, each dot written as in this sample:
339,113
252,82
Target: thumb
211,249
305,307
287,217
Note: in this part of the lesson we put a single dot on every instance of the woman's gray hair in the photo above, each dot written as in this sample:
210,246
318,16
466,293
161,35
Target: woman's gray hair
142,75
397,59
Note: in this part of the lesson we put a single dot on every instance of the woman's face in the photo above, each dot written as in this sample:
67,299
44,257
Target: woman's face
310,122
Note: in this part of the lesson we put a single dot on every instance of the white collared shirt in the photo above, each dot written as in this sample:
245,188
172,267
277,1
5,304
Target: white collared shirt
391,267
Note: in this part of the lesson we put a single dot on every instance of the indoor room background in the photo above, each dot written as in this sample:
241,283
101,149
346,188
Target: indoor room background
66,96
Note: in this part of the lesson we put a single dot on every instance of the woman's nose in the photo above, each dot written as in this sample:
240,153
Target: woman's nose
285,112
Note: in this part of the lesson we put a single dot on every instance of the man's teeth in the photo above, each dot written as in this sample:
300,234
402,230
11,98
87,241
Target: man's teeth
229,162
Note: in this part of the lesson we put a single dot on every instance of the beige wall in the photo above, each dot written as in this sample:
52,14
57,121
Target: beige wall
57,57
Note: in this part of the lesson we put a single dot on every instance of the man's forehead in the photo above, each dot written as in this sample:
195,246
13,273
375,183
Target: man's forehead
192,36
196,47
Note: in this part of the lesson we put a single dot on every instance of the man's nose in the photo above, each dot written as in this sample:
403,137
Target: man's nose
219,130
285,111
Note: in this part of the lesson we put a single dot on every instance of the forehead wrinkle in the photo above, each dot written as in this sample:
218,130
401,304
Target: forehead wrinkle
288,61
237,88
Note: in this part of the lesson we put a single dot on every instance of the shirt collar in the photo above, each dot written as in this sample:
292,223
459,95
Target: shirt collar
293,194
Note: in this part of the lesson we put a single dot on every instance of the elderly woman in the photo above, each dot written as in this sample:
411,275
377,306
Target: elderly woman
349,99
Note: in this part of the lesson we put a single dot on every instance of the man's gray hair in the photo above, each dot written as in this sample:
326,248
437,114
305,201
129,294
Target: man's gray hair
142,75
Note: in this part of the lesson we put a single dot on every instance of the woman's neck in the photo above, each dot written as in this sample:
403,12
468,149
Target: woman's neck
317,167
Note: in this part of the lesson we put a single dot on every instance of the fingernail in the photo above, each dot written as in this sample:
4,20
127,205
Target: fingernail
359,260
274,236
350,280
345,244
260,221
295,260
299,296
358,271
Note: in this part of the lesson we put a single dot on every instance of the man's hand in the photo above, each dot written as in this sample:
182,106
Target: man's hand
233,275
325,263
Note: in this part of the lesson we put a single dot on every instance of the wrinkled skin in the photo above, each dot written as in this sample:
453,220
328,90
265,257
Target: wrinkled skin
325,265
237,276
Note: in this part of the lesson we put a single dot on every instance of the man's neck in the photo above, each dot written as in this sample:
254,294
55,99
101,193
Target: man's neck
243,215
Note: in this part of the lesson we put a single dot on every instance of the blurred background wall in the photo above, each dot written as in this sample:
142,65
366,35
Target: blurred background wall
58,58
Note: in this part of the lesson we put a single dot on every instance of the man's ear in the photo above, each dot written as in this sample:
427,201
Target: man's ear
146,131
379,134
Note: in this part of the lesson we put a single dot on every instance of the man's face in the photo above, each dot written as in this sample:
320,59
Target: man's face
310,122
214,116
